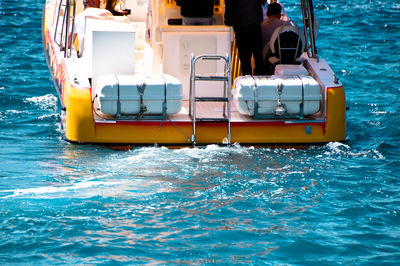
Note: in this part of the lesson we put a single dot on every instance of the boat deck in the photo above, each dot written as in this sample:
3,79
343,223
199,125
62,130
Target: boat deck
203,110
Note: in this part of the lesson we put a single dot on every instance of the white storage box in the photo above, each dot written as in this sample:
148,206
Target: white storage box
109,47
122,90
294,89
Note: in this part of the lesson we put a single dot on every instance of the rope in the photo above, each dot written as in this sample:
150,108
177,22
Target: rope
180,130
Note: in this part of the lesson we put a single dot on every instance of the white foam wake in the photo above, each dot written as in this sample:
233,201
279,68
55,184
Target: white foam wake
45,102
46,190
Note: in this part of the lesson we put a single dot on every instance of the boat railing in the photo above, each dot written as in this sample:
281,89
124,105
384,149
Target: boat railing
65,22
309,27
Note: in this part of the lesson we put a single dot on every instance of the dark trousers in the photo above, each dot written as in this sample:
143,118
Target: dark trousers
249,42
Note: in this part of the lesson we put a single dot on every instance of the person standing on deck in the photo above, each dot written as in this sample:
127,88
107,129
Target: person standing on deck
246,16
196,12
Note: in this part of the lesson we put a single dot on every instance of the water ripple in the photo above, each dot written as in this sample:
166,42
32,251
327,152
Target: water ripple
82,204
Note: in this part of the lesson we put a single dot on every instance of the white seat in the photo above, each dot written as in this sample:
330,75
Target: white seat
286,44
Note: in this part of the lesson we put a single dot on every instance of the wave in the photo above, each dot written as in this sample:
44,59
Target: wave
57,191
338,148
48,101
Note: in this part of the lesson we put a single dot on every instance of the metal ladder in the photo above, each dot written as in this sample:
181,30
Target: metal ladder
226,99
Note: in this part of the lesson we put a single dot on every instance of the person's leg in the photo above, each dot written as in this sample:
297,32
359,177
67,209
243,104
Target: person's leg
257,50
243,44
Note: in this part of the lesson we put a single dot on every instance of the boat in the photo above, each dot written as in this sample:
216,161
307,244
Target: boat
144,79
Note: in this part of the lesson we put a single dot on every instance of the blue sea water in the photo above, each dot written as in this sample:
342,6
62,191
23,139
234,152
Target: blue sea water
81,204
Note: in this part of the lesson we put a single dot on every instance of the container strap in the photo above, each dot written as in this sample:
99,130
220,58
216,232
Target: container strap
301,111
119,94
164,107
141,88
255,97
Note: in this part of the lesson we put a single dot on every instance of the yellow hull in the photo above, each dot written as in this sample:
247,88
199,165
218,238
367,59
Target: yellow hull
81,127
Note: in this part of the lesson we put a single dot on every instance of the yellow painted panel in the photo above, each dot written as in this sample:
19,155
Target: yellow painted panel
336,115
146,132
79,123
